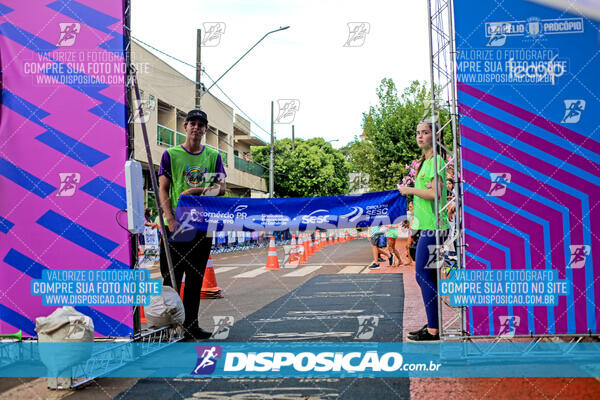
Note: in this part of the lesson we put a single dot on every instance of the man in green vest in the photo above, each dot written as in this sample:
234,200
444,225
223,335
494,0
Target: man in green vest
189,169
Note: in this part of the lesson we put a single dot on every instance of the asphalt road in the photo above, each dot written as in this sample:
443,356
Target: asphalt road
248,288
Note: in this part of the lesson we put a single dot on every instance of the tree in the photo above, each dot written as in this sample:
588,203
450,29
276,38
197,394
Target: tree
314,168
390,128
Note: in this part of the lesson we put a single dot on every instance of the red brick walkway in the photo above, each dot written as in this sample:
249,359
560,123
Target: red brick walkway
480,388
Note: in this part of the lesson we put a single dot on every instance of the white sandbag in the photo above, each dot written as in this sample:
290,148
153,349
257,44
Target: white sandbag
166,309
64,325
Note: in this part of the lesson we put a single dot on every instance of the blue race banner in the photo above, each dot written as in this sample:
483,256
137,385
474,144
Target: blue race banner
297,213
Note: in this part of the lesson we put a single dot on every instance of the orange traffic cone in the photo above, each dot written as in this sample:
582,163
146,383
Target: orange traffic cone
336,239
182,288
306,247
294,259
272,261
210,290
317,241
142,315
301,251
324,239
311,246
330,238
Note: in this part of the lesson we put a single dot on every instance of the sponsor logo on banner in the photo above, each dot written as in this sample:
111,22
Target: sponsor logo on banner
497,36
68,183
500,181
68,33
287,110
573,111
579,254
238,211
534,27
316,219
212,33
366,326
357,33
508,325
353,215
274,220
207,359
379,209
223,325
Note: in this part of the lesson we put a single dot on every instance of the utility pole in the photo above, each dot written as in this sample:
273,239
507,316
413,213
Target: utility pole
271,155
293,140
198,67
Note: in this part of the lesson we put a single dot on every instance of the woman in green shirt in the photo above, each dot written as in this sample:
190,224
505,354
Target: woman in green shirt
424,220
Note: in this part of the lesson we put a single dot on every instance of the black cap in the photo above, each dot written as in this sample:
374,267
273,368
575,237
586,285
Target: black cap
196,114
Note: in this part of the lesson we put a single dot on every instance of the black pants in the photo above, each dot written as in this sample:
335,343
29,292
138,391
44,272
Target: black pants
189,256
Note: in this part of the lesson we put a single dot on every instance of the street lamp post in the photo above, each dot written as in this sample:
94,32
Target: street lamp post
271,185
329,142
244,55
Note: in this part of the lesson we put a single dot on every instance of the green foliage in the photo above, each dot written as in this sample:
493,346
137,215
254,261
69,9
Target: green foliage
390,129
314,168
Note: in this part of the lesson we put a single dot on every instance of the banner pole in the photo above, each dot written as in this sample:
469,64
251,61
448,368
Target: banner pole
154,182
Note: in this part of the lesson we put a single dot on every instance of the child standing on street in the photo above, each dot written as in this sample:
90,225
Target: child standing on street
377,246
392,235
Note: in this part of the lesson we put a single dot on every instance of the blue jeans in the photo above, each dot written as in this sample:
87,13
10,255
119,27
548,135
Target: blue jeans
427,277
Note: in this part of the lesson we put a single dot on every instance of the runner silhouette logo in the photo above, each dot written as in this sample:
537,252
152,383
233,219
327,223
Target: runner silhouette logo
579,253
223,325
366,326
573,111
207,359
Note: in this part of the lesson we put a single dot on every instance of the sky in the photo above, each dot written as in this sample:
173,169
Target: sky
333,84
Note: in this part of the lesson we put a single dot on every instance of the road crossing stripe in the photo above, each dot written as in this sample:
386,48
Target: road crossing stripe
241,265
303,271
352,269
251,274
224,269
366,271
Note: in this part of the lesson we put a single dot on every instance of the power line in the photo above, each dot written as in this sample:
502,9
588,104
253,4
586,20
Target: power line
204,70
218,101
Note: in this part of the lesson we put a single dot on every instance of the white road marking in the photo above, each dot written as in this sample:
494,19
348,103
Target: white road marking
224,269
242,265
252,274
352,269
303,271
